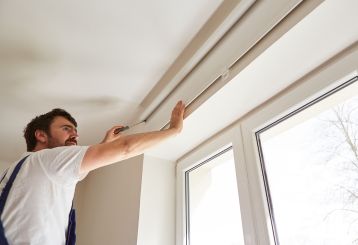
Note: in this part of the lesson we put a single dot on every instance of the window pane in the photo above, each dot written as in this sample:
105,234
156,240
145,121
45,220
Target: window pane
214,209
311,164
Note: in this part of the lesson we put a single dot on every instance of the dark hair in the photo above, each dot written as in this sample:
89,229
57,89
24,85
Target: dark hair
43,122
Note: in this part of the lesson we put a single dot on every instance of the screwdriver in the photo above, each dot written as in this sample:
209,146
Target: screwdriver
118,130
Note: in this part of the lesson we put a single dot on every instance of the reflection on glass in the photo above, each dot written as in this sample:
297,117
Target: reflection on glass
214,203
311,162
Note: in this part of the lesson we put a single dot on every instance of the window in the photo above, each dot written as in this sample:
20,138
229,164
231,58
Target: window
295,165
310,167
213,208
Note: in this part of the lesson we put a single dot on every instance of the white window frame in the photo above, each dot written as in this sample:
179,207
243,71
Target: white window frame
257,227
230,137
334,73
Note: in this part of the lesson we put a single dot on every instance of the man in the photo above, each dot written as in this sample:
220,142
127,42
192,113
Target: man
38,205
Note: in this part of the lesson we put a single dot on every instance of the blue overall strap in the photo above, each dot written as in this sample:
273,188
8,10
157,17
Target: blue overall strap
71,228
3,198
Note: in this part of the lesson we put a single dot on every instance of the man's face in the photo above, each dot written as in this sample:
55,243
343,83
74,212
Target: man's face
62,133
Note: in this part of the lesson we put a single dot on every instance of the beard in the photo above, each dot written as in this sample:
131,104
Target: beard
53,142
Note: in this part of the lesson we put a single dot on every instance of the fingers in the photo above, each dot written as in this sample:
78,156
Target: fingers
114,128
177,117
179,108
119,129
113,133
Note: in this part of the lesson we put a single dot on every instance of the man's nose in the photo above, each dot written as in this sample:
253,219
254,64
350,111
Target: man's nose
75,134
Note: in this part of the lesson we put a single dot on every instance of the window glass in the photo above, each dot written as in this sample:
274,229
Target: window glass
213,207
310,162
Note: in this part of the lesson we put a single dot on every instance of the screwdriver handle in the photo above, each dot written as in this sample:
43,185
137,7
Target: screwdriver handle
118,130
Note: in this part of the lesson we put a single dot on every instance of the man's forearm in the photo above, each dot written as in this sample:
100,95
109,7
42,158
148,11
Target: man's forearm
136,144
123,148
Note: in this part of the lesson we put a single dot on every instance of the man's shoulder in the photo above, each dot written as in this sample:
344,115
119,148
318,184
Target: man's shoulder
60,151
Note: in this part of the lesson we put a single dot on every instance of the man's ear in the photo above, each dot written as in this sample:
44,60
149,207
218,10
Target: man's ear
41,136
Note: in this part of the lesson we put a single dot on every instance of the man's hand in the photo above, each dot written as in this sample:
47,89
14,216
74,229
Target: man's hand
176,120
110,135
121,147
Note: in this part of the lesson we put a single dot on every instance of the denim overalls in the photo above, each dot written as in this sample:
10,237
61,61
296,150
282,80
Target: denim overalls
71,229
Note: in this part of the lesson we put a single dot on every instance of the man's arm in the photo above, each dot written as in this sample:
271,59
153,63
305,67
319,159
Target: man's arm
124,147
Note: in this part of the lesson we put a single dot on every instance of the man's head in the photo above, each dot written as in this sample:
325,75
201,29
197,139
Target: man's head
53,129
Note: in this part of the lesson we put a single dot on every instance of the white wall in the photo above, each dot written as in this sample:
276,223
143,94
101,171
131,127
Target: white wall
108,204
131,202
3,166
157,203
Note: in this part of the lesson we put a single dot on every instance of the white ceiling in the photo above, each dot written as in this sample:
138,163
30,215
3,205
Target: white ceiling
96,59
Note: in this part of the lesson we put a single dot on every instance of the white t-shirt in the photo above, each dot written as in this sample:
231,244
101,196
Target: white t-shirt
40,199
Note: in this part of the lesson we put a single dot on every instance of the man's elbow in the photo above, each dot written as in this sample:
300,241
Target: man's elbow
107,153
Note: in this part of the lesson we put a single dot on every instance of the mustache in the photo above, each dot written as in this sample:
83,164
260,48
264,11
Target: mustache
71,140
